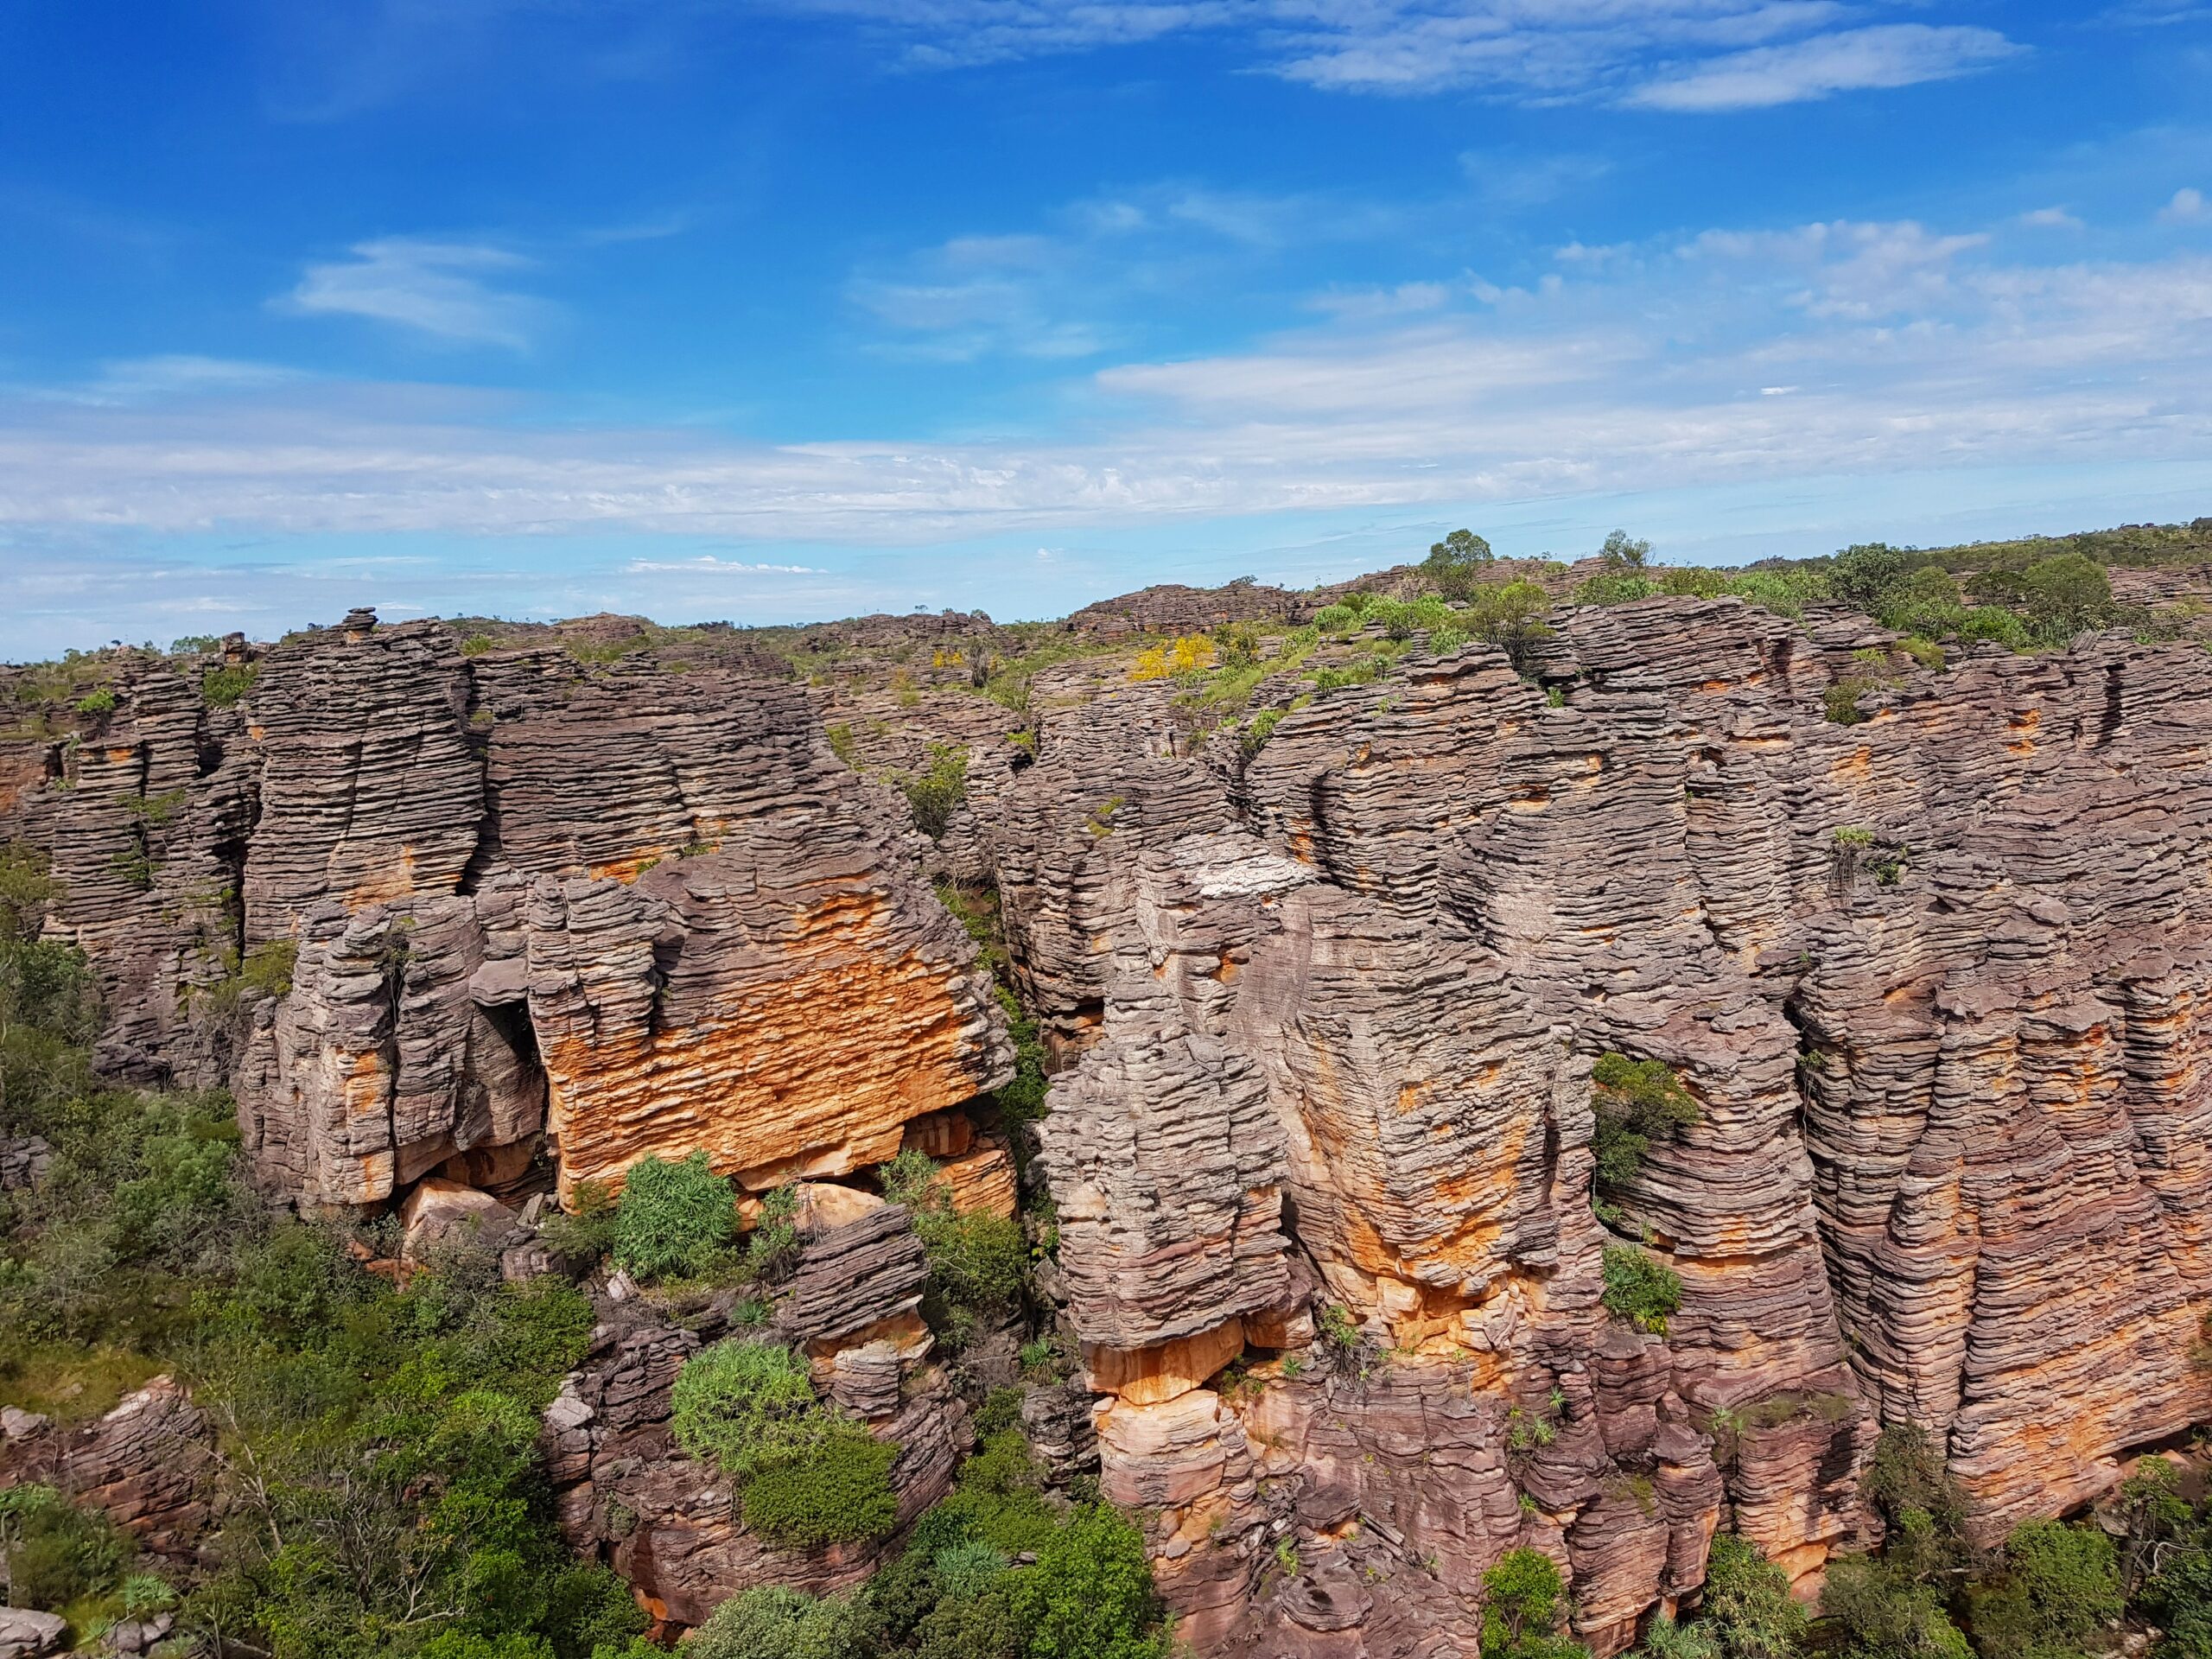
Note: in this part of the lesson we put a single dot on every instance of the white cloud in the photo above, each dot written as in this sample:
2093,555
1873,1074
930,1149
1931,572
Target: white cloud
440,289
2050,219
2187,207
707,565
1733,356
173,375
1885,55
1716,53
1383,301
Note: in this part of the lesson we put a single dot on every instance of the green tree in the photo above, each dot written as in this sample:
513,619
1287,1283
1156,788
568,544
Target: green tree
1091,1595
1524,1603
1625,552
2059,1587
673,1217
2066,595
1882,1612
1862,576
1746,1605
1454,566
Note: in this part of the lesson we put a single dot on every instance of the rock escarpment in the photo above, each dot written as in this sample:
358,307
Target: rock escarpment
1324,993
1930,979
505,892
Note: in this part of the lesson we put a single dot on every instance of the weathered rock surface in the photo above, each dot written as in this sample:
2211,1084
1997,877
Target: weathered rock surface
1323,1010
672,1525
149,1464
28,1634
648,912
1945,1068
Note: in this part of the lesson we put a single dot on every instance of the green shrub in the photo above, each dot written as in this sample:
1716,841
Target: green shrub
1667,1640
2066,595
1339,619
1640,1289
1091,1595
1863,575
1747,1606
1524,1604
584,1233
1786,592
1839,703
223,688
936,791
748,1405
1907,1474
2059,1589
268,966
979,1263
52,1552
674,1218
1994,622
1881,1612
99,701
1614,587
836,1492
773,1249
1634,1101
770,1622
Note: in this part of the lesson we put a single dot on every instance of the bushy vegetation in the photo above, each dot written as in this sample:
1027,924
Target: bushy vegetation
938,790
837,1492
388,1499
956,1591
1635,1102
1524,1606
746,1405
675,1219
1640,1289
2027,595
53,1553
979,1263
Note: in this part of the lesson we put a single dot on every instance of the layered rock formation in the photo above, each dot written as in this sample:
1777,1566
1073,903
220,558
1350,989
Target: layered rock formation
1945,1064
644,913
1324,994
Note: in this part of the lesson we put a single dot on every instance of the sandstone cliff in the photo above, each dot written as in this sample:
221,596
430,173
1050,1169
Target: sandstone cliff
1324,991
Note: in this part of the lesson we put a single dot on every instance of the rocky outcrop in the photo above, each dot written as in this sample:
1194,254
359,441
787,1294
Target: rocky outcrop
1944,1062
1173,608
1926,950
150,1465
673,1526
419,906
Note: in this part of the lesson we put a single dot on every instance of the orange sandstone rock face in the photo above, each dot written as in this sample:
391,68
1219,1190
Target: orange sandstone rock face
746,1005
1949,1069
648,910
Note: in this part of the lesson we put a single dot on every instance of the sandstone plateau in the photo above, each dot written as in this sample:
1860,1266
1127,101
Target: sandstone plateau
1322,1002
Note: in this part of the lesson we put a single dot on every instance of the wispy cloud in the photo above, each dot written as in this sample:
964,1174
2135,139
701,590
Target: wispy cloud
1690,56
443,289
2050,219
707,564
1082,286
172,375
1886,55
1728,356
2186,207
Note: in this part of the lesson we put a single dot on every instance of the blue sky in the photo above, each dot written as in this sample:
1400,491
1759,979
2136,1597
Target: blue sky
774,311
